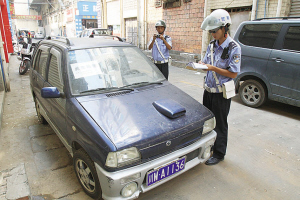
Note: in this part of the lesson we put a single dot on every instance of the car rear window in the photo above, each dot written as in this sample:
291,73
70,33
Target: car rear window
259,35
292,39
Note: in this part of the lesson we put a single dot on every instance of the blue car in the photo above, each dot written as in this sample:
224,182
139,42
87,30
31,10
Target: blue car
127,128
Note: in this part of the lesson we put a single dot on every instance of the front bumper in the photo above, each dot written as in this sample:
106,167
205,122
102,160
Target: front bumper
112,183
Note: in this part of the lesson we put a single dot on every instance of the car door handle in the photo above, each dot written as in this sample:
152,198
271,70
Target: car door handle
278,60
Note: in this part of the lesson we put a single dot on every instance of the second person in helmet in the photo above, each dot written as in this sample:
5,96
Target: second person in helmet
222,58
160,45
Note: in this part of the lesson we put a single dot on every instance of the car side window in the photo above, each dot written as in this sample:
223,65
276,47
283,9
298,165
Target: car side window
54,74
42,63
259,35
292,39
36,60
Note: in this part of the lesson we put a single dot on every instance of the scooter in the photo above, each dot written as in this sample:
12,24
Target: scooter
26,53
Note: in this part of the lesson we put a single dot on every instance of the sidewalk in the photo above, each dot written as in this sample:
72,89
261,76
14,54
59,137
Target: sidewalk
13,178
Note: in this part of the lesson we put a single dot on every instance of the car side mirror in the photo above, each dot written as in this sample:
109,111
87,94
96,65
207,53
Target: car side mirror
50,92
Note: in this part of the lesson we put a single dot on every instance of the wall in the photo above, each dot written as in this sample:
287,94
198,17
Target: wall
113,16
183,24
3,62
21,8
265,8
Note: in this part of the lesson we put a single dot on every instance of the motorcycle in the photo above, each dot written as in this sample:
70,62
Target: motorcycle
26,53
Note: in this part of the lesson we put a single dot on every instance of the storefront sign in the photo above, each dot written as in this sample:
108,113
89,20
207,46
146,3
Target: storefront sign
12,9
87,8
70,15
28,17
89,17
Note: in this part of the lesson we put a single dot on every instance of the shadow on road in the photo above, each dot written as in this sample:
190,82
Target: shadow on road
276,108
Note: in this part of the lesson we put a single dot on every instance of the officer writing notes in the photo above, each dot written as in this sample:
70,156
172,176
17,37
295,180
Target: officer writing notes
160,45
222,58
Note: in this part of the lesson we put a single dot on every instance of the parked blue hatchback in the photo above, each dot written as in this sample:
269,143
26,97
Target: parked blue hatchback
127,128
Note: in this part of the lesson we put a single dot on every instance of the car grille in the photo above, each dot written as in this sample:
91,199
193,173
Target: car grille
159,149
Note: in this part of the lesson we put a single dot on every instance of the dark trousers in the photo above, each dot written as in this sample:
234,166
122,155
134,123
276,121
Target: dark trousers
164,68
220,107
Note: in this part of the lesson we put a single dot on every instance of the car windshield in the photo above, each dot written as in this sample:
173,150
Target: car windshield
102,32
110,68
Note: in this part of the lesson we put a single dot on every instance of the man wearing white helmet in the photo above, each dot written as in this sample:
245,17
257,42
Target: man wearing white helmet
222,58
160,45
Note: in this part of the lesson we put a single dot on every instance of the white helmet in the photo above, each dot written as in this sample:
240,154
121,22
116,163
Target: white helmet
216,19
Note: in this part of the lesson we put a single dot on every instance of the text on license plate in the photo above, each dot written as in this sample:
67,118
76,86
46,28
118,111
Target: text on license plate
165,171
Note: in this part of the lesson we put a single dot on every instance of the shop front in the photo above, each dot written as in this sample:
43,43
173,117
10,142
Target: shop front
86,15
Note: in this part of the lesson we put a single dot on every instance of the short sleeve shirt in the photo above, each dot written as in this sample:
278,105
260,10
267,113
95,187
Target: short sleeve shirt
232,62
163,48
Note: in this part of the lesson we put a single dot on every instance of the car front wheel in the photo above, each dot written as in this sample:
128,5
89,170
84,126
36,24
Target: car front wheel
252,93
86,174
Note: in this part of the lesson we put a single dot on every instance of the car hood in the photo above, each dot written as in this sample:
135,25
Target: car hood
131,119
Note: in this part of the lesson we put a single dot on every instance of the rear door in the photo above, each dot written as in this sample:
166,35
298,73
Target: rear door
284,64
39,73
57,106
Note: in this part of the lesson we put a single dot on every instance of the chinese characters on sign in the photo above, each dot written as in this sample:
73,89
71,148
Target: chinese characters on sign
87,8
29,17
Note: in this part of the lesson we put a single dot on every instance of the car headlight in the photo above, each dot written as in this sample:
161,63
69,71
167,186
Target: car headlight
123,157
209,125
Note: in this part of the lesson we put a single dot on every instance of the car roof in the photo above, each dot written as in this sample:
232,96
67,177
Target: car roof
85,43
276,20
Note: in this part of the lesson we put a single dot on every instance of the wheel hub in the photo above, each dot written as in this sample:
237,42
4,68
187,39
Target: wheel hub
84,176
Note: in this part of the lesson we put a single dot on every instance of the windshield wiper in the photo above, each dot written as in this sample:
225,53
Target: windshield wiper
143,83
107,89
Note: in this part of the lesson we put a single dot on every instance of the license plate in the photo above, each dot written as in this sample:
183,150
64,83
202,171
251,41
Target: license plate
165,171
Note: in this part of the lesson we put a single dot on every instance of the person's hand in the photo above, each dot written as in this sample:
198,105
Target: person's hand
209,67
154,36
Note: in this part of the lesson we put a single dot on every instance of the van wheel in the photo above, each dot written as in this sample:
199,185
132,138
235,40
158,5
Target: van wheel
86,174
252,93
38,113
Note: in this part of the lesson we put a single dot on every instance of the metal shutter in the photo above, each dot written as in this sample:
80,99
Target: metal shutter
295,8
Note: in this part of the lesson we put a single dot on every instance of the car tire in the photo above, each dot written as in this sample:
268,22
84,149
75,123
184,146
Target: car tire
253,93
38,113
24,66
86,174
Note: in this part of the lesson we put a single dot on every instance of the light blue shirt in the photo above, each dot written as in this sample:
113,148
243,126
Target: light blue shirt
164,50
231,63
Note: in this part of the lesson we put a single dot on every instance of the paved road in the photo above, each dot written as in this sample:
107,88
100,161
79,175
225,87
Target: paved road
262,162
